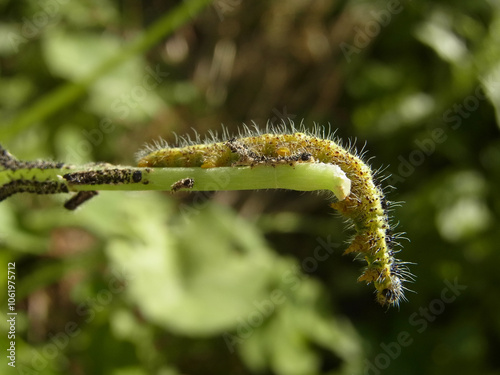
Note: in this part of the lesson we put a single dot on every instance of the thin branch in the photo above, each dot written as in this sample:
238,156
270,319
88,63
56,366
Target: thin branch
43,177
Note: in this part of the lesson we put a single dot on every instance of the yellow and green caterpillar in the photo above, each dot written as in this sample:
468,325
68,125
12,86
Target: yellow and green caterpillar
365,206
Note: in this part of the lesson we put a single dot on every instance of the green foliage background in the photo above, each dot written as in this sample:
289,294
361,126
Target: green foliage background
227,282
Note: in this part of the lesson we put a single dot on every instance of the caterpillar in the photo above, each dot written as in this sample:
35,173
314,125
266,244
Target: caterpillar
365,208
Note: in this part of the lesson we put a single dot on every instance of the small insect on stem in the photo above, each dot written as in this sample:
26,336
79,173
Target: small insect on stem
185,183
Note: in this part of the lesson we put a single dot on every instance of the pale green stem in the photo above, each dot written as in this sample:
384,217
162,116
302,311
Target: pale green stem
301,177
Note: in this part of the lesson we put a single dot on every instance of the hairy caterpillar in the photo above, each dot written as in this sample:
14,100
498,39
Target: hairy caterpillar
365,207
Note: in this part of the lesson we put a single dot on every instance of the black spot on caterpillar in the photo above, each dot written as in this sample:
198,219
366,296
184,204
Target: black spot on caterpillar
137,176
366,207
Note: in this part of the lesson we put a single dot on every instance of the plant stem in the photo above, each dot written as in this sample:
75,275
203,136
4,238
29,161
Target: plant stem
301,176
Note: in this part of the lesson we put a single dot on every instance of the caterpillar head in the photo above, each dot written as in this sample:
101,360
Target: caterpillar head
391,293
